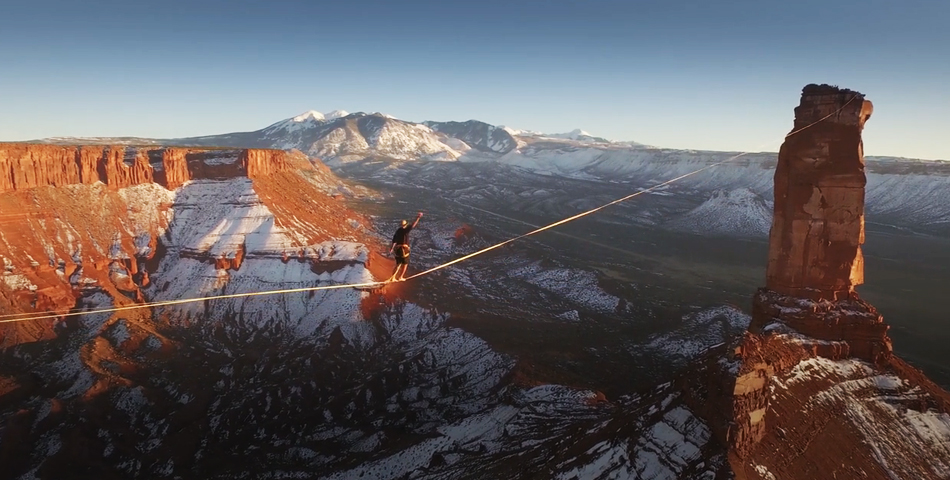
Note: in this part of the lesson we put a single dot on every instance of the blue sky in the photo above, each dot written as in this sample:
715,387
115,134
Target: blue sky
683,74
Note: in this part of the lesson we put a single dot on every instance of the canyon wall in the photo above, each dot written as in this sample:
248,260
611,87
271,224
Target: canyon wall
24,166
54,237
261,163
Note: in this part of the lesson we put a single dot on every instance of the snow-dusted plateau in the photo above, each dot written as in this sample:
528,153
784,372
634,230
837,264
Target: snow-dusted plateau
559,356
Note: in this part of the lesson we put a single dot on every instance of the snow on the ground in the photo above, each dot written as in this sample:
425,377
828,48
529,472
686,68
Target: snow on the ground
119,332
219,217
307,311
737,213
763,472
700,331
408,141
876,405
226,159
915,199
223,218
144,203
663,451
15,281
578,286
570,316
478,428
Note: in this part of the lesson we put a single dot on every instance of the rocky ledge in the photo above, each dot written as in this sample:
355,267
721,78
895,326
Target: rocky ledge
24,166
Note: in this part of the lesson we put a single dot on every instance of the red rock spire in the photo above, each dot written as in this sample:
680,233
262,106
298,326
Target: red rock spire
818,227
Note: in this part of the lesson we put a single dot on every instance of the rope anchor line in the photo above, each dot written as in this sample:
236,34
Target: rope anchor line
10,318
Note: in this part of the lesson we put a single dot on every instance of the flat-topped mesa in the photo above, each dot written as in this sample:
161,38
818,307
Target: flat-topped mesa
260,162
818,223
24,166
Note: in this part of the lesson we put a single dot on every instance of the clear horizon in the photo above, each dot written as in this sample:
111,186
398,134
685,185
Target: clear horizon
683,74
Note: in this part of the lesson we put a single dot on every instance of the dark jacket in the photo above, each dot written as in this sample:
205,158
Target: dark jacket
402,235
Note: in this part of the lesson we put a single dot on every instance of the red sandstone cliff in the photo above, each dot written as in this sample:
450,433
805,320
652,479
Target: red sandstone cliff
258,162
24,166
41,225
175,167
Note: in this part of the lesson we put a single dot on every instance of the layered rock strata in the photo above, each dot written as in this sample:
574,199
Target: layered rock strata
261,163
56,240
24,166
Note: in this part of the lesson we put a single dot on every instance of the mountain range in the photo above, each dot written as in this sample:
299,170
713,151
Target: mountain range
906,193
603,349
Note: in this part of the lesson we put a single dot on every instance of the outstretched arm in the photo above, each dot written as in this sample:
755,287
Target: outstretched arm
418,217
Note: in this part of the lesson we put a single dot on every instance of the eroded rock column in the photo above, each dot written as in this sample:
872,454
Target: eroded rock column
818,227
809,306
263,162
815,259
175,168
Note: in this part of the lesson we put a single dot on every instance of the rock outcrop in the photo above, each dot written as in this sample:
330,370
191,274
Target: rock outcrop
260,162
815,259
175,167
818,223
809,307
24,166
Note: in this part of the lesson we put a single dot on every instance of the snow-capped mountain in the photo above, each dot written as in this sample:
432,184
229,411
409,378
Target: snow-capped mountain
908,193
519,132
340,136
314,116
479,135
576,135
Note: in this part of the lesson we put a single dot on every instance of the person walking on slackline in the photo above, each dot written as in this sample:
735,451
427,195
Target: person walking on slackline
400,248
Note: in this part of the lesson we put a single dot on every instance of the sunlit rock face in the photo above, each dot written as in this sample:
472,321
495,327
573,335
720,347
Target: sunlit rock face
818,227
25,166
815,259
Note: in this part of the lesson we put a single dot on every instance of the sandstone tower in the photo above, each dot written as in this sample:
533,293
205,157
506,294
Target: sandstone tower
818,227
815,259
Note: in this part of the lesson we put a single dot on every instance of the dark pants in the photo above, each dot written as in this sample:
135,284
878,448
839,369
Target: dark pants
402,254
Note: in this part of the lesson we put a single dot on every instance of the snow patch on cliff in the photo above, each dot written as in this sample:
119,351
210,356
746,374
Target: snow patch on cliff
875,404
699,331
225,219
